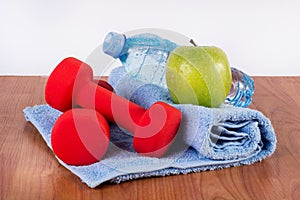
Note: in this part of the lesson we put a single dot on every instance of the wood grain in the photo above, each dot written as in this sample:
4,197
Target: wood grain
29,170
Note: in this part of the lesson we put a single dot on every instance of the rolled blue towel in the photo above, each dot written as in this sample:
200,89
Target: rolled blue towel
208,139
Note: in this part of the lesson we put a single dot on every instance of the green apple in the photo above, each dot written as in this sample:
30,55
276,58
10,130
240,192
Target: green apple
198,75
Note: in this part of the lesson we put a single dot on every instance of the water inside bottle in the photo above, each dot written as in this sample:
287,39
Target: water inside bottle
147,64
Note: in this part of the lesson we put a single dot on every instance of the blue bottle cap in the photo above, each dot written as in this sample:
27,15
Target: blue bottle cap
113,44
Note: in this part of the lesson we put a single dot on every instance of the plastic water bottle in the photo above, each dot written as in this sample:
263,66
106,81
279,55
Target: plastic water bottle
242,89
144,55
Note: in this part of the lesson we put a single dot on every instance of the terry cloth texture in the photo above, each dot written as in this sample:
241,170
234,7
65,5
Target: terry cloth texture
208,138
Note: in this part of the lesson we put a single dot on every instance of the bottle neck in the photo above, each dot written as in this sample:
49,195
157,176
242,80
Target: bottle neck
148,40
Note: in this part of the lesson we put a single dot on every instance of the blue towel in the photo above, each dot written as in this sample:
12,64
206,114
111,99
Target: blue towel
209,138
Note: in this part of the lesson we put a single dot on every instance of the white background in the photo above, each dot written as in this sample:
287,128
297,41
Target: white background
260,37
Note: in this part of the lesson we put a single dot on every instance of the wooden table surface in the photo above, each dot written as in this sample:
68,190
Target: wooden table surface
28,169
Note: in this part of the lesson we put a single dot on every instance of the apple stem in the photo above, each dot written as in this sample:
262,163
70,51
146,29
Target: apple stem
192,42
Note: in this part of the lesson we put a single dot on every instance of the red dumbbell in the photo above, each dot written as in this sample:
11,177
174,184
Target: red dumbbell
71,84
80,136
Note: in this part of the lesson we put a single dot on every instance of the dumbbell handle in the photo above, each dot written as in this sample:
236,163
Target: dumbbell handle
112,106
